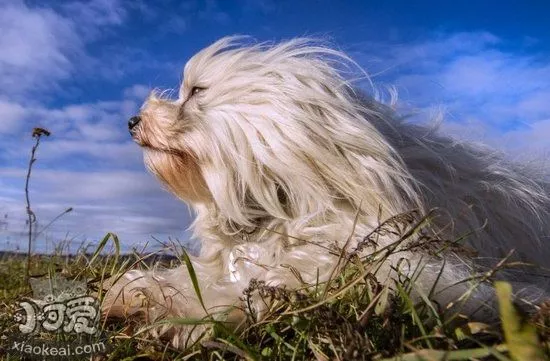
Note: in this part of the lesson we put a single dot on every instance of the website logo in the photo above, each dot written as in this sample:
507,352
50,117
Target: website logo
60,321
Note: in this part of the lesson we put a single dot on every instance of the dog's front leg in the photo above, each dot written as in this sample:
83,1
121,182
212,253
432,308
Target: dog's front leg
173,305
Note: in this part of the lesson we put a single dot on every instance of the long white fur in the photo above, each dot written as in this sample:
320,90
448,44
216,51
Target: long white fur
277,146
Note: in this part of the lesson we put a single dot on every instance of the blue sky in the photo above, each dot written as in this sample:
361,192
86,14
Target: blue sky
81,68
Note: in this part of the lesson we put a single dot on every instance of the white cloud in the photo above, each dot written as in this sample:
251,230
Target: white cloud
36,44
41,44
176,24
537,105
11,114
128,203
138,91
101,121
125,154
488,92
96,13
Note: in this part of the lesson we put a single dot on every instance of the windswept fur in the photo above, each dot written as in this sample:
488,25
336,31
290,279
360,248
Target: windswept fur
277,153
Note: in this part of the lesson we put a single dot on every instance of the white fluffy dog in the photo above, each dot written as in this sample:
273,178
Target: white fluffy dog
281,159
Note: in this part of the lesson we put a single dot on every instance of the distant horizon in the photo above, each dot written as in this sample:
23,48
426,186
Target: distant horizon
82,68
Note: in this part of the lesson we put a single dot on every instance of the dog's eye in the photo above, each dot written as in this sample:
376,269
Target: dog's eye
196,90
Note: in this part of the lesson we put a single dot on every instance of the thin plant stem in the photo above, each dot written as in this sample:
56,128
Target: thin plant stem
36,133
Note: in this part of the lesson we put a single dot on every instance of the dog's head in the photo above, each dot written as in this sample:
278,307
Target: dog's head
260,130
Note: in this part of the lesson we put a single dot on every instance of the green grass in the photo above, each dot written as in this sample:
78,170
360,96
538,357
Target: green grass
351,317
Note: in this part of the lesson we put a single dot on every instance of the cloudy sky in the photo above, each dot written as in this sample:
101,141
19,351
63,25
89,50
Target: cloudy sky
81,68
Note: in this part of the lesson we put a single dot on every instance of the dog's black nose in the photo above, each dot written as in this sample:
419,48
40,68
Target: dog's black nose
133,122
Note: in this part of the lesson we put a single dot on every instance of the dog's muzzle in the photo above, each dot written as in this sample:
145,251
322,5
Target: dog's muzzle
132,124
